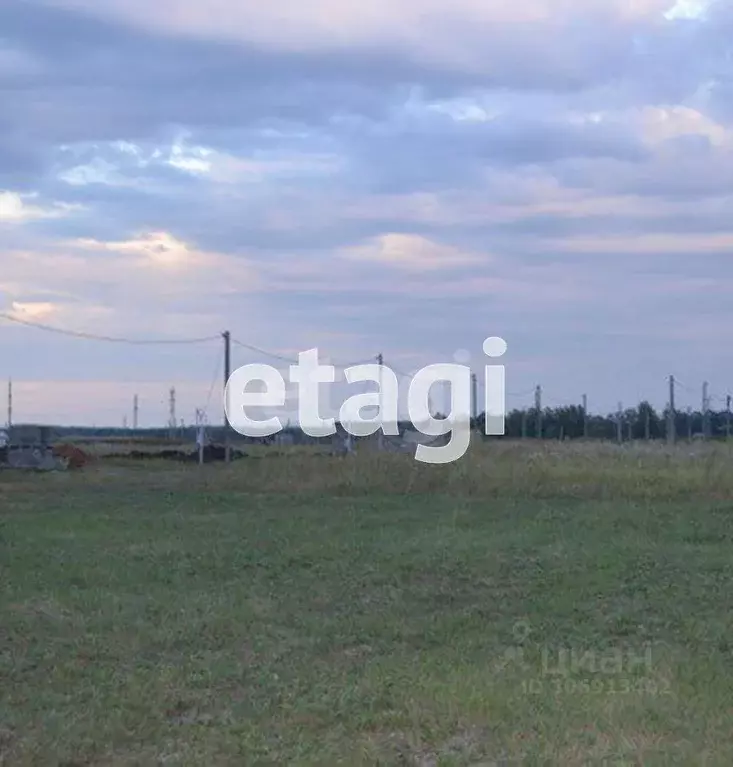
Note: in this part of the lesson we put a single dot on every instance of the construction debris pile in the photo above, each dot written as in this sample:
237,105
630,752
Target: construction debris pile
75,457
210,454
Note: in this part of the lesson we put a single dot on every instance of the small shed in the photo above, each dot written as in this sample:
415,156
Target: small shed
30,436
30,447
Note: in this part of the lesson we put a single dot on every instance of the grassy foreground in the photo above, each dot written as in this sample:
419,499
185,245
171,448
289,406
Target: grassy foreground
552,605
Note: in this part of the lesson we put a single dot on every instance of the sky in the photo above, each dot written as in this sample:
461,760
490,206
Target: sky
404,178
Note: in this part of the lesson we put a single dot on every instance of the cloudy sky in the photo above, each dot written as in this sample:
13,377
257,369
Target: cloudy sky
403,176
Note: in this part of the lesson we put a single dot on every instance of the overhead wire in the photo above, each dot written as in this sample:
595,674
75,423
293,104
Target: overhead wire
682,385
400,373
273,355
147,341
292,360
214,378
265,353
111,339
520,393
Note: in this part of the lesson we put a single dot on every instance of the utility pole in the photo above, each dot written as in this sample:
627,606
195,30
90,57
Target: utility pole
380,433
619,424
727,417
647,425
524,424
172,413
474,400
10,403
671,413
227,372
705,411
134,412
200,434
538,413
585,416
689,424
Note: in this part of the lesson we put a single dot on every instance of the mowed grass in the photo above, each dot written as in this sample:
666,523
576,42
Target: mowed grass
310,610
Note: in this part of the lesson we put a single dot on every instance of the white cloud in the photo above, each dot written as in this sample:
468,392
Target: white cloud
159,248
192,159
32,311
142,283
127,156
125,164
688,9
411,252
659,124
15,210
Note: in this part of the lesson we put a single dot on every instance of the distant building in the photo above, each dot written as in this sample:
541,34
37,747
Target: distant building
30,435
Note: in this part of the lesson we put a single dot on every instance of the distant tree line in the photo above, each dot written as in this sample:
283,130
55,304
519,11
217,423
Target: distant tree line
638,423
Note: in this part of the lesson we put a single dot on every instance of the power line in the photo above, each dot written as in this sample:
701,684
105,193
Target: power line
263,351
561,402
250,347
214,380
683,385
291,360
111,339
520,393
400,373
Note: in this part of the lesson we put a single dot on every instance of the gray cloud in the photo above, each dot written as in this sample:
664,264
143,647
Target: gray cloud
97,80
555,193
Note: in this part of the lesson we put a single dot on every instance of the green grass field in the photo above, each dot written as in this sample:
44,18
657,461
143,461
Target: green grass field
309,610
